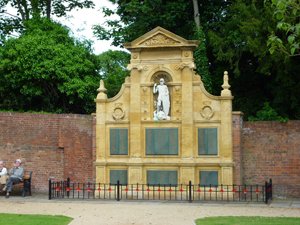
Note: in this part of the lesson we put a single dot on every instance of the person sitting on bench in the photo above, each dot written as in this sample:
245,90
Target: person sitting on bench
15,176
3,174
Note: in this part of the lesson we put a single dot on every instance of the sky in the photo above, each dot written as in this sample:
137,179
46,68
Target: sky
81,21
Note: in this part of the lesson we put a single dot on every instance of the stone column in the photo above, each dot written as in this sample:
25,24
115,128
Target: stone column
226,121
101,174
187,174
100,132
135,115
226,131
226,175
187,113
135,175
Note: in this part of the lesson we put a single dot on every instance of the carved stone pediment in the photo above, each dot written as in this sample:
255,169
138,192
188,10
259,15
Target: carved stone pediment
159,40
160,37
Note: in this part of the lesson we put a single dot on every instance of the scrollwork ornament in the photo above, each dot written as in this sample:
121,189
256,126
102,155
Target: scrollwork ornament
207,112
118,113
186,54
181,66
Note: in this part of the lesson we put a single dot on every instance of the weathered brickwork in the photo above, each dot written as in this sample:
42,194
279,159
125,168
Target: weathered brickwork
237,125
50,145
272,150
61,146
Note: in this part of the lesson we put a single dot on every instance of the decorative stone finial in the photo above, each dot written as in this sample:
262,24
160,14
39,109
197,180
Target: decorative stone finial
225,86
101,91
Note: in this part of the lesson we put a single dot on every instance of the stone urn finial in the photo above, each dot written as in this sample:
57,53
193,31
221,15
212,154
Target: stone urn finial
225,85
102,91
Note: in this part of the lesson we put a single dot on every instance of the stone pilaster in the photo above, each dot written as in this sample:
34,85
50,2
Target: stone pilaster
187,113
135,115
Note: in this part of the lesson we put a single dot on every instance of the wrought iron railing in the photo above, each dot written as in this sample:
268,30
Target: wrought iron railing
181,192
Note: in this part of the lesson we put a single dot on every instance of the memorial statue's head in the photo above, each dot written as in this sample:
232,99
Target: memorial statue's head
161,81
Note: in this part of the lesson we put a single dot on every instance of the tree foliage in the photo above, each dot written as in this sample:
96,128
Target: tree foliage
249,38
241,42
286,38
137,18
201,60
267,113
112,69
257,41
28,9
46,70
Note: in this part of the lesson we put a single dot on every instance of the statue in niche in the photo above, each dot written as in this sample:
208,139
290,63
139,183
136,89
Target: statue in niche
163,101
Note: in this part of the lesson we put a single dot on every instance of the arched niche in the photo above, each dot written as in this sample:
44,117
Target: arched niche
161,74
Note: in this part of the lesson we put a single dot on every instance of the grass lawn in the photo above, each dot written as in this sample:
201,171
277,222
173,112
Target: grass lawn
245,220
24,219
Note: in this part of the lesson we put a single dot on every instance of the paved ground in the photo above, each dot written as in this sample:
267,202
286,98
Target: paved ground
95,212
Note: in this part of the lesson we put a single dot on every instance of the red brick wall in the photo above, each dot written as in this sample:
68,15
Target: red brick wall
50,145
237,126
272,150
76,137
61,146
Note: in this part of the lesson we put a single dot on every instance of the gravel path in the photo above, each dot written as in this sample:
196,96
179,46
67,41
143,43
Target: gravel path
141,213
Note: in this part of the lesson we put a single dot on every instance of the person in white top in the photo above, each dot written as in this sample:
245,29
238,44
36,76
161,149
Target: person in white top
15,176
3,173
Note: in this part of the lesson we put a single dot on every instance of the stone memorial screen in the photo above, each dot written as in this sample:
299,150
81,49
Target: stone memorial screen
118,175
162,141
209,178
207,141
162,177
118,141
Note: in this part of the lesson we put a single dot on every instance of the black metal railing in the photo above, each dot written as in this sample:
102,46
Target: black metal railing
268,191
181,192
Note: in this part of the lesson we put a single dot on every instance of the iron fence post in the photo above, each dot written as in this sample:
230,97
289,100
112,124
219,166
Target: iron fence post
271,189
68,187
190,191
266,192
50,194
118,190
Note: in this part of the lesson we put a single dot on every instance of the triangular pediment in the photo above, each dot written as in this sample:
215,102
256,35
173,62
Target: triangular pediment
160,37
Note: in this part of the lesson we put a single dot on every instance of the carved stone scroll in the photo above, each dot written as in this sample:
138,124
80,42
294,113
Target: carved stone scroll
118,113
207,112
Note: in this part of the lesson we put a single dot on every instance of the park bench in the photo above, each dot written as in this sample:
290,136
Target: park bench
24,186
27,184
